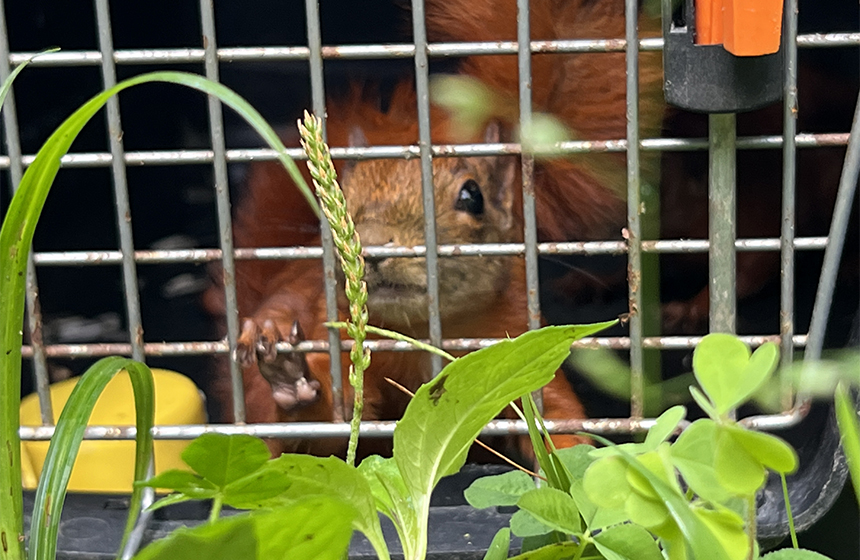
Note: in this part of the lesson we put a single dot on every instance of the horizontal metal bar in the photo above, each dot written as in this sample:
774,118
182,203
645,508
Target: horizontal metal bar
188,157
85,350
402,50
82,258
384,429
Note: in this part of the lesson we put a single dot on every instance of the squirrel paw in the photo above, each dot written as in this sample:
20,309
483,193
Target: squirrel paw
288,374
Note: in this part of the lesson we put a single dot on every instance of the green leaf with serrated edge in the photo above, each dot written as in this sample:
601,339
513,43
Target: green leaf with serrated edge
664,427
737,470
191,484
391,497
849,430
627,542
222,459
538,542
693,454
728,528
553,508
701,540
524,524
703,402
317,476
500,546
554,551
447,414
257,489
498,490
605,483
769,450
794,554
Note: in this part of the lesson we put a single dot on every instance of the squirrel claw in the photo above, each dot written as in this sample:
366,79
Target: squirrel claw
288,374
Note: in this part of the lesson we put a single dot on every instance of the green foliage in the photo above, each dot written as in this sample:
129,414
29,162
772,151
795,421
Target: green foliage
849,428
316,527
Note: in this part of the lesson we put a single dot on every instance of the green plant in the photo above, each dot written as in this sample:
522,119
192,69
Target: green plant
15,239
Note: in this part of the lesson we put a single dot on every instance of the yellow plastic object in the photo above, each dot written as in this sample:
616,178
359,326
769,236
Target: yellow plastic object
108,466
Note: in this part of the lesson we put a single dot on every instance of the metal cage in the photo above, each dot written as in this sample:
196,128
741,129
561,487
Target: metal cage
213,155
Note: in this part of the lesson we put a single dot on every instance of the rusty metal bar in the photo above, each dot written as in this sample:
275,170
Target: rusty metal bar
422,90
221,347
222,197
721,223
283,53
120,184
339,408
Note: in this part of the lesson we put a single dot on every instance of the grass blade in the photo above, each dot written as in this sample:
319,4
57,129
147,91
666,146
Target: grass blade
16,237
66,442
849,429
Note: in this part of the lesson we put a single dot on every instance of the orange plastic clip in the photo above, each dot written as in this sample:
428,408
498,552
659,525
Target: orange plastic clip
743,27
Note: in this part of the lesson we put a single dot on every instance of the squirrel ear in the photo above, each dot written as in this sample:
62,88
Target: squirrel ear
357,139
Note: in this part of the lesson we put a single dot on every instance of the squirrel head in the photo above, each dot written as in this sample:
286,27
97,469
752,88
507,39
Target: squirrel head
474,203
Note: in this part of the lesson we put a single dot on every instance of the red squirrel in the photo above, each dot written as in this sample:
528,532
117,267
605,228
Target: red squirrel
478,199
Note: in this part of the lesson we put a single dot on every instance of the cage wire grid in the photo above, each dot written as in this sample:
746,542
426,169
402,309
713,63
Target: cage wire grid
127,257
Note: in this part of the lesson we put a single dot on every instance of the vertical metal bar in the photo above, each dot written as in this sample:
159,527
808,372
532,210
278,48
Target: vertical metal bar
329,258
528,167
16,171
216,124
835,242
423,93
634,209
789,182
120,184
528,163
721,191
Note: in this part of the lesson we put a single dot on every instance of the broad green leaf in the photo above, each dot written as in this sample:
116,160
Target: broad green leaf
702,541
647,511
391,497
222,459
693,454
664,427
257,489
728,373
56,469
772,452
318,528
524,524
447,414
501,545
659,466
703,402
537,542
554,551
605,483
576,459
226,539
728,528
168,501
849,430
315,476
737,470
627,542
498,490
794,554
192,485
553,508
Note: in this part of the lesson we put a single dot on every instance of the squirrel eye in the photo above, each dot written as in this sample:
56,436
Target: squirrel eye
470,199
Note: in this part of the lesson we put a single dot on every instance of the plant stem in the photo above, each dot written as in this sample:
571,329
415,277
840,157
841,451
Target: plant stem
788,513
394,335
583,542
348,246
215,512
751,522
